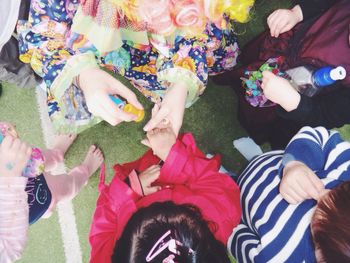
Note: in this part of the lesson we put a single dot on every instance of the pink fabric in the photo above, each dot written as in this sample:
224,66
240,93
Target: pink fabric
62,186
14,210
14,218
194,180
135,183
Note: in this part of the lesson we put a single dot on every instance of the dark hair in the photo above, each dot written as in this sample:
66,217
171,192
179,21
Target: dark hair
187,226
331,226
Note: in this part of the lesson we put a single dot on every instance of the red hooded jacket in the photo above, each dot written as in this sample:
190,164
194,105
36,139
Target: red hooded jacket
194,180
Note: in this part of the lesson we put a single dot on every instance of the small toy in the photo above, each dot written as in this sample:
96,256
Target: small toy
127,107
252,83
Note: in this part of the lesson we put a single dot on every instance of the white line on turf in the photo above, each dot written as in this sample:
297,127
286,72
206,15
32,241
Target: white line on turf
65,210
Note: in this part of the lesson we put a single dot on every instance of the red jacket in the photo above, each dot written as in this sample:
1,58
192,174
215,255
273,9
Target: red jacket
194,179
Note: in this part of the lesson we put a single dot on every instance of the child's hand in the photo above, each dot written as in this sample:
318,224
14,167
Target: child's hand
97,85
8,129
172,108
300,183
149,176
161,140
14,156
283,20
280,91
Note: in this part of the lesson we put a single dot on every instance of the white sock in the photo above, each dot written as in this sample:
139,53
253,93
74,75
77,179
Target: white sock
247,147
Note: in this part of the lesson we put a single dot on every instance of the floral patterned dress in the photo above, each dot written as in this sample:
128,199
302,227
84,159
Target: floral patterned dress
60,40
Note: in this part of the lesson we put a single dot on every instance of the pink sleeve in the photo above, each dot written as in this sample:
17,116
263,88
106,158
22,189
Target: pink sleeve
115,206
14,218
215,193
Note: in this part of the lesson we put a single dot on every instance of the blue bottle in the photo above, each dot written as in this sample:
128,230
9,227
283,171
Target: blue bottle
309,81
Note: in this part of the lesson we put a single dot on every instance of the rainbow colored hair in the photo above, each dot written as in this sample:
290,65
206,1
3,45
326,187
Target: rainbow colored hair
165,16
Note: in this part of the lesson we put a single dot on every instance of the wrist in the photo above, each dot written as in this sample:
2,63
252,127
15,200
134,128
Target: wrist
178,85
83,77
180,89
163,155
298,13
293,101
291,165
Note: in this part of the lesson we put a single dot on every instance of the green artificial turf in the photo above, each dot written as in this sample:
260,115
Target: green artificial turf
212,120
19,107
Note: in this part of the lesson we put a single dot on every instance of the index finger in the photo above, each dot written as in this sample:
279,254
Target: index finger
154,176
317,185
271,18
272,22
155,109
155,120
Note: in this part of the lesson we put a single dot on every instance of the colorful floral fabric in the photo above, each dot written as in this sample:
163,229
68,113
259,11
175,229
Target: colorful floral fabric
59,42
253,79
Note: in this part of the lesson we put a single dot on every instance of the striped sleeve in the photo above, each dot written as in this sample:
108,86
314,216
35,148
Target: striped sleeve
14,213
312,147
272,230
243,244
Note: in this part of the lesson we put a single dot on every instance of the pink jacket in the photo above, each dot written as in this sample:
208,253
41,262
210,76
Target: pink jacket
194,179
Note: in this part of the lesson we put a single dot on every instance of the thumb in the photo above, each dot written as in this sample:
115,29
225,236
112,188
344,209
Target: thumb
116,87
155,109
146,143
153,189
267,75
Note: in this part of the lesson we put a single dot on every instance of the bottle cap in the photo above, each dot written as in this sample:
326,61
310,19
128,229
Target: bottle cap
132,109
338,73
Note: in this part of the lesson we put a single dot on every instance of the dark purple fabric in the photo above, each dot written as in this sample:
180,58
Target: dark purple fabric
327,41
320,41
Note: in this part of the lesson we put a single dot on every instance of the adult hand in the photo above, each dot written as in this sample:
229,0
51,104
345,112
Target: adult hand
161,140
300,183
97,85
14,156
283,20
280,91
171,109
148,177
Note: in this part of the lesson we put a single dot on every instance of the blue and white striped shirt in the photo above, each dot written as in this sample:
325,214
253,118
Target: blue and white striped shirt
272,230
